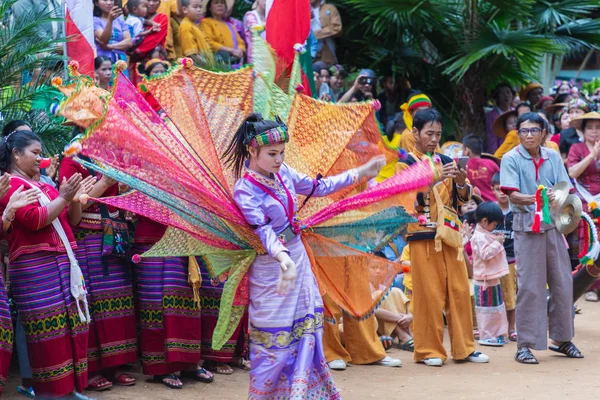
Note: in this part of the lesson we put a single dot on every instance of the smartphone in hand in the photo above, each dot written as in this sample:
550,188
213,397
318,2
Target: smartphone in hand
462,162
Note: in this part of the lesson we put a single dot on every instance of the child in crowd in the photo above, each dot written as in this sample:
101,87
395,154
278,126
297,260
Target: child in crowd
470,205
507,282
102,71
479,170
489,265
138,10
192,39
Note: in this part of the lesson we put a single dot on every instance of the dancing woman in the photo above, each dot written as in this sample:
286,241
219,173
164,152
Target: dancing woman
286,310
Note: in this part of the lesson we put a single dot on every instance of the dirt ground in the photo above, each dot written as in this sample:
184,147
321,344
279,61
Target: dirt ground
554,378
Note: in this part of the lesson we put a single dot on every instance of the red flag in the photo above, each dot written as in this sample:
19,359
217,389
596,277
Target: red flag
80,33
288,23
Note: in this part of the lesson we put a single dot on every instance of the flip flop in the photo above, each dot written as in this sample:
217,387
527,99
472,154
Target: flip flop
99,384
124,379
196,375
162,379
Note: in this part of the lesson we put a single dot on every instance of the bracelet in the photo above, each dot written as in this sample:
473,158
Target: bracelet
5,216
460,187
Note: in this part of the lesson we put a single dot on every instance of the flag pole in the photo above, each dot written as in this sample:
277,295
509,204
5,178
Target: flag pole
64,24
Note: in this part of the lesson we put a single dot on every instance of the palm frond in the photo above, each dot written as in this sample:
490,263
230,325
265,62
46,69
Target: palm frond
492,40
548,14
579,35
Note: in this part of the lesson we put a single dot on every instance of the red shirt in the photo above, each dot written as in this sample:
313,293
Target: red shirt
590,179
91,216
148,231
31,231
480,172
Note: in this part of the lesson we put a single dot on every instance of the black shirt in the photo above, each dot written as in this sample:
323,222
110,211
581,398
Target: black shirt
568,137
507,229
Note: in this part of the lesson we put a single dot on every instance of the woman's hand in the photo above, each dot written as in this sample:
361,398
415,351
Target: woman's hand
69,187
4,184
53,168
287,273
106,181
237,53
21,198
115,13
85,187
594,151
372,167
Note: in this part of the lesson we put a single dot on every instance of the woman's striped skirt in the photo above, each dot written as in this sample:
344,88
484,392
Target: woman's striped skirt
112,333
57,340
169,317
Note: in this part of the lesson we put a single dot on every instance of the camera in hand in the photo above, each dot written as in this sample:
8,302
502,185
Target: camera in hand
366,80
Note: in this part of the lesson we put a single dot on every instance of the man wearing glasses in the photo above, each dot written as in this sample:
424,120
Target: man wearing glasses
542,258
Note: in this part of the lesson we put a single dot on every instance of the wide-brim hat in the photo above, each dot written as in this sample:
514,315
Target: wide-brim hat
228,3
526,89
577,122
488,156
498,125
554,107
476,195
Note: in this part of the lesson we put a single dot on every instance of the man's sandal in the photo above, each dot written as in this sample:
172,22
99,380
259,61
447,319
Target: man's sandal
525,356
200,375
568,349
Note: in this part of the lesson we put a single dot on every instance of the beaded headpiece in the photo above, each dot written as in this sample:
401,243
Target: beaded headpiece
273,135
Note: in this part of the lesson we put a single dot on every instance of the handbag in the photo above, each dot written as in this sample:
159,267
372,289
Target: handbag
116,237
448,227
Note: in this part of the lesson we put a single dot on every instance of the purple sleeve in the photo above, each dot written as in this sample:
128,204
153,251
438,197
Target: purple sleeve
304,185
250,206
98,24
492,141
249,22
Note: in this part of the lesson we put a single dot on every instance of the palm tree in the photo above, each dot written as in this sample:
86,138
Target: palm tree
28,54
464,48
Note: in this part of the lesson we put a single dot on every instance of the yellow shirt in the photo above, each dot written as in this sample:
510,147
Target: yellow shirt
218,35
405,256
512,140
390,169
169,7
192,39
408,141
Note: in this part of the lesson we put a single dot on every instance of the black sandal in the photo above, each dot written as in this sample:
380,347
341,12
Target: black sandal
408,346
568,349
197,375
162,379
525,356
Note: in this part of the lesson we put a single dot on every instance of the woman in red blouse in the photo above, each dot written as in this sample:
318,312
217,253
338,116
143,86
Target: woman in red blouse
584,166
40,269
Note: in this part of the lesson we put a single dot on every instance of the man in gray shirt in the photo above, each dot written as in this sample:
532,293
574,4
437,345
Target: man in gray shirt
542,258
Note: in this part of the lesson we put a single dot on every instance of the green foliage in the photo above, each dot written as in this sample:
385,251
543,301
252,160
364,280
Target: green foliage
25,51
464,48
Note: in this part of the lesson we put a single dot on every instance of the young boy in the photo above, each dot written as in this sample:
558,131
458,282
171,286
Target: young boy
489,265
193,42
508,282
138,10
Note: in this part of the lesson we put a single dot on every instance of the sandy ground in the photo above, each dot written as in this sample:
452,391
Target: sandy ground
554,378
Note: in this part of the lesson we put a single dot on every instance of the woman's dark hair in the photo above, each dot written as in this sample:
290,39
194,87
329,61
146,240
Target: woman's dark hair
523,104
99,60
425,117
208,13
237,152
496,91
491,211
13,125
142,70
97,10
531,117
17,141
561,98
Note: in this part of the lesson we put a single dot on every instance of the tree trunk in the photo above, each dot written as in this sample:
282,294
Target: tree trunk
471,97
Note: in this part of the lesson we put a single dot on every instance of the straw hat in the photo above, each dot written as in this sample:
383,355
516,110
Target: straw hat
488,156
526,89
229,3
498,125
554,107
577,122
